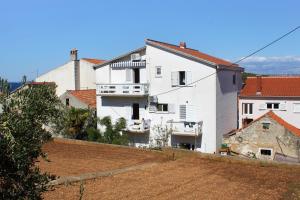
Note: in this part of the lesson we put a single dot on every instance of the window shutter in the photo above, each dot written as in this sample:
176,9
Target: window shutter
174,77
297,107
128,74
188,77
171,108
263,106
182,112
282,106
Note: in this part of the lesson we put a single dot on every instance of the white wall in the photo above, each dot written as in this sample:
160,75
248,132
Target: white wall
227,113
288,115
201,95
63,76
119,107
87,75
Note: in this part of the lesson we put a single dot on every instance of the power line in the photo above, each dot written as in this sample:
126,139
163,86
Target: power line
238,61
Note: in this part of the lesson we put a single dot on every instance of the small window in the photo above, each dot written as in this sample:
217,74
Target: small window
67,102
162,107
234,79
266,152
273,106
266,125
158,71
182,78
247,108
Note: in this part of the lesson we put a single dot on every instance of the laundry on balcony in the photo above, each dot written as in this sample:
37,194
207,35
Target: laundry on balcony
128,64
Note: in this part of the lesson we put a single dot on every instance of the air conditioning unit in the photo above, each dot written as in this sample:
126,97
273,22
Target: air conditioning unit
135,57
153,99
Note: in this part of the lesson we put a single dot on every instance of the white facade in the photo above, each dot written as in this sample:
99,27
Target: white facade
288,108
74,75
194,114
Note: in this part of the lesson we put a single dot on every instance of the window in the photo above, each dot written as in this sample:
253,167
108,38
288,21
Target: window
266,152
158,71
266,125
182,78
273,106
297,107
162,107
247,108
234,79
67,102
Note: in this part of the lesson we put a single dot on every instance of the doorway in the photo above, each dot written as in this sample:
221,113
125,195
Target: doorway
135,111
136,75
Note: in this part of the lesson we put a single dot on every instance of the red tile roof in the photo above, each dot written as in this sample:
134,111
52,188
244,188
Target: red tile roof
288,126
194,53
94,61
86,96
294,130
272,87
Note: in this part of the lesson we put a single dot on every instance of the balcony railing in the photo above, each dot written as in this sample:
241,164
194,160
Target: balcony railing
122,89
138,126
186,128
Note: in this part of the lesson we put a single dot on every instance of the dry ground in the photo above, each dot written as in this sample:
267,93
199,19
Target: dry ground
191,176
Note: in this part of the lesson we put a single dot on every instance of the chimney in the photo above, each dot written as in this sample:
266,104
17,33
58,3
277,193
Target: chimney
258,84
182,45
73,54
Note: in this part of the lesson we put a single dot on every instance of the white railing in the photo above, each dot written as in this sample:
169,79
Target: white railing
186,128
122,89
138,125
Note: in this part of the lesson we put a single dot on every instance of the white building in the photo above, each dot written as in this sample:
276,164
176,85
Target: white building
169,92
278,94
74,75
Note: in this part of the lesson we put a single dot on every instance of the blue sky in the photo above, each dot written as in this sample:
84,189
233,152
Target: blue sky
38,35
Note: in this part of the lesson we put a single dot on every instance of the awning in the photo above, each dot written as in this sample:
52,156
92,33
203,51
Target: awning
128,64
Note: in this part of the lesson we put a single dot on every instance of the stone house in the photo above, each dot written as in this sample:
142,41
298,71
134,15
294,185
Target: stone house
79,98
269,137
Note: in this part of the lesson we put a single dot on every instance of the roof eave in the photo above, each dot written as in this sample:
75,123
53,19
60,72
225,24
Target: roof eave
180,53
118,57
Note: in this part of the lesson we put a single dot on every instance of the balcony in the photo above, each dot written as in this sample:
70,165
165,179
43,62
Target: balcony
186,128
127,90
138,126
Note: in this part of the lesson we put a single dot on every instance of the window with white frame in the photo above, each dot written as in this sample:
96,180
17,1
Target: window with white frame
297,107
247,108
273,106
265,152
162,107
158,72
181,78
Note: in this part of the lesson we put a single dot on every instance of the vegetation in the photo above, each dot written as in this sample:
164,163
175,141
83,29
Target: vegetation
25,115
112,134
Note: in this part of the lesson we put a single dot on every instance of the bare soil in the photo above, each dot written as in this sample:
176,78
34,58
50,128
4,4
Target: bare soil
190,176
74,158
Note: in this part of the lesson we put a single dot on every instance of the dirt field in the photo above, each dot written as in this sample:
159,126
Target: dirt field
67,158
189,177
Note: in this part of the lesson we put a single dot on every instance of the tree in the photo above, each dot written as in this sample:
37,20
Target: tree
77,122
22,134
112,134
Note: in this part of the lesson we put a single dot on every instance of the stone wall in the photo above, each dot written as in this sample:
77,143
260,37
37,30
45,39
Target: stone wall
254,138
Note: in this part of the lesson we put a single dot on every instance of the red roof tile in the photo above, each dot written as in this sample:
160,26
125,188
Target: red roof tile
86,96
272,87
94,61
294,130
288,126
195,53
